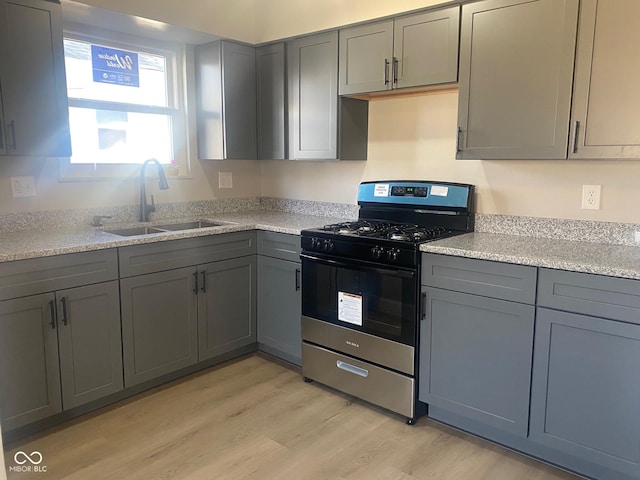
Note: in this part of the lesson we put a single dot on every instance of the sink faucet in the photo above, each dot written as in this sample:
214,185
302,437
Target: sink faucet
145,208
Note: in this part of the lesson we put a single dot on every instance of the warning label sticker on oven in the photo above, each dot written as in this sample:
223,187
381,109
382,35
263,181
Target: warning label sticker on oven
350,308
439,191
381,190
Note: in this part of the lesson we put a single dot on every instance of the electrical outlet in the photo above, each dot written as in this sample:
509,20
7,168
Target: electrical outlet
23,187
225,180
591,197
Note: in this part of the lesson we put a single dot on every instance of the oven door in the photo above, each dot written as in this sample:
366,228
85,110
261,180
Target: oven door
378,300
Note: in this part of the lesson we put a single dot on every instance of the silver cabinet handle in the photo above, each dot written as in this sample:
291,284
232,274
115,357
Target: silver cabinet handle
361,372
395,71
386,71
576,131
65,318
12,126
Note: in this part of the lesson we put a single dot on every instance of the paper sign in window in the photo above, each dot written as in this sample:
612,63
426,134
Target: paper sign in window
350,308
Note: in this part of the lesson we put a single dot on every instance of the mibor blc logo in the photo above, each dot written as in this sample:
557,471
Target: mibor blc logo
28,463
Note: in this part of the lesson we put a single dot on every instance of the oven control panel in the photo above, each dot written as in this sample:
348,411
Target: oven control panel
362,250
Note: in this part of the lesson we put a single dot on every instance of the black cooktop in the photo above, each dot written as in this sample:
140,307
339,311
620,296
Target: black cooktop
381,230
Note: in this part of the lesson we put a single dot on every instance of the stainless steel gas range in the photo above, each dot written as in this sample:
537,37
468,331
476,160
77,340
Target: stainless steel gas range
361,299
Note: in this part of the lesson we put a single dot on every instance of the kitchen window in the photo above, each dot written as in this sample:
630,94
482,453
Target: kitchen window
126,105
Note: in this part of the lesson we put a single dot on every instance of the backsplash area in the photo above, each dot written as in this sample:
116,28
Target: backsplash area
564,229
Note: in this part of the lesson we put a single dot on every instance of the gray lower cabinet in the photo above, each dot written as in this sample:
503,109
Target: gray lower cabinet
585,391
476,340
322,126
58,351
408,51
33,89
515,78
159,323
60,341
90,342
476,358
272,100
185,301
605,119
226,100
29,369
279,296
585,398
226,306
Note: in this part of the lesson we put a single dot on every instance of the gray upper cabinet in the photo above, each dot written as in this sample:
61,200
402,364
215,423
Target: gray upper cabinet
32,80
516,73
322,126
606,99
226,101
272,101
408,51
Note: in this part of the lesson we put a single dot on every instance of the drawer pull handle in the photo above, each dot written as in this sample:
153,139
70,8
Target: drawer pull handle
361,372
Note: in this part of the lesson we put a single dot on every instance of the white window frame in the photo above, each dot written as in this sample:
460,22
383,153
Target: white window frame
176,56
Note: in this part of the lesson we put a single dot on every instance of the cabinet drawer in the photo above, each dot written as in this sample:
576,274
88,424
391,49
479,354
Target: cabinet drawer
374,384
46,274
156,257
505,281
279,245
596,295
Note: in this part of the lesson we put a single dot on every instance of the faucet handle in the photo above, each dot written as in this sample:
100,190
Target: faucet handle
97,220
152,207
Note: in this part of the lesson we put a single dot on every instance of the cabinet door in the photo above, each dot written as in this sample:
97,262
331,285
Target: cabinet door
226,101
90,342
313,96
516,72
32,78
366,56
585,391
226,306
159,324
279,308
239,97
272,100
475,358
426,48
29,371
606,99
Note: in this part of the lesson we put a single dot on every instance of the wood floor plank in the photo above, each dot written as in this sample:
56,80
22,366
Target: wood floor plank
255,419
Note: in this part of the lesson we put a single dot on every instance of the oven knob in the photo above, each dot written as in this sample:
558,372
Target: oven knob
376,252
328,245
392,254
315,244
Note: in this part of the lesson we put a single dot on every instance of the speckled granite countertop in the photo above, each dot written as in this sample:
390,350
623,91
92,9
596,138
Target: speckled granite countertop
601,258
43,243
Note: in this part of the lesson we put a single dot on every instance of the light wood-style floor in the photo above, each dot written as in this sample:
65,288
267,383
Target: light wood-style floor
256,419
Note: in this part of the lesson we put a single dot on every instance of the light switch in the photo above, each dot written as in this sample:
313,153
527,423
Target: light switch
225,180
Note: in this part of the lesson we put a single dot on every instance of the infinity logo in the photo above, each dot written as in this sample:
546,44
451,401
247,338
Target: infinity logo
35,458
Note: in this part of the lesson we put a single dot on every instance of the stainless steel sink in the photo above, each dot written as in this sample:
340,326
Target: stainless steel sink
188,225
169,227
130,232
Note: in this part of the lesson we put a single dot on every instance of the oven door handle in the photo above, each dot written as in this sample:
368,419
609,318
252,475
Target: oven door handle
401,272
